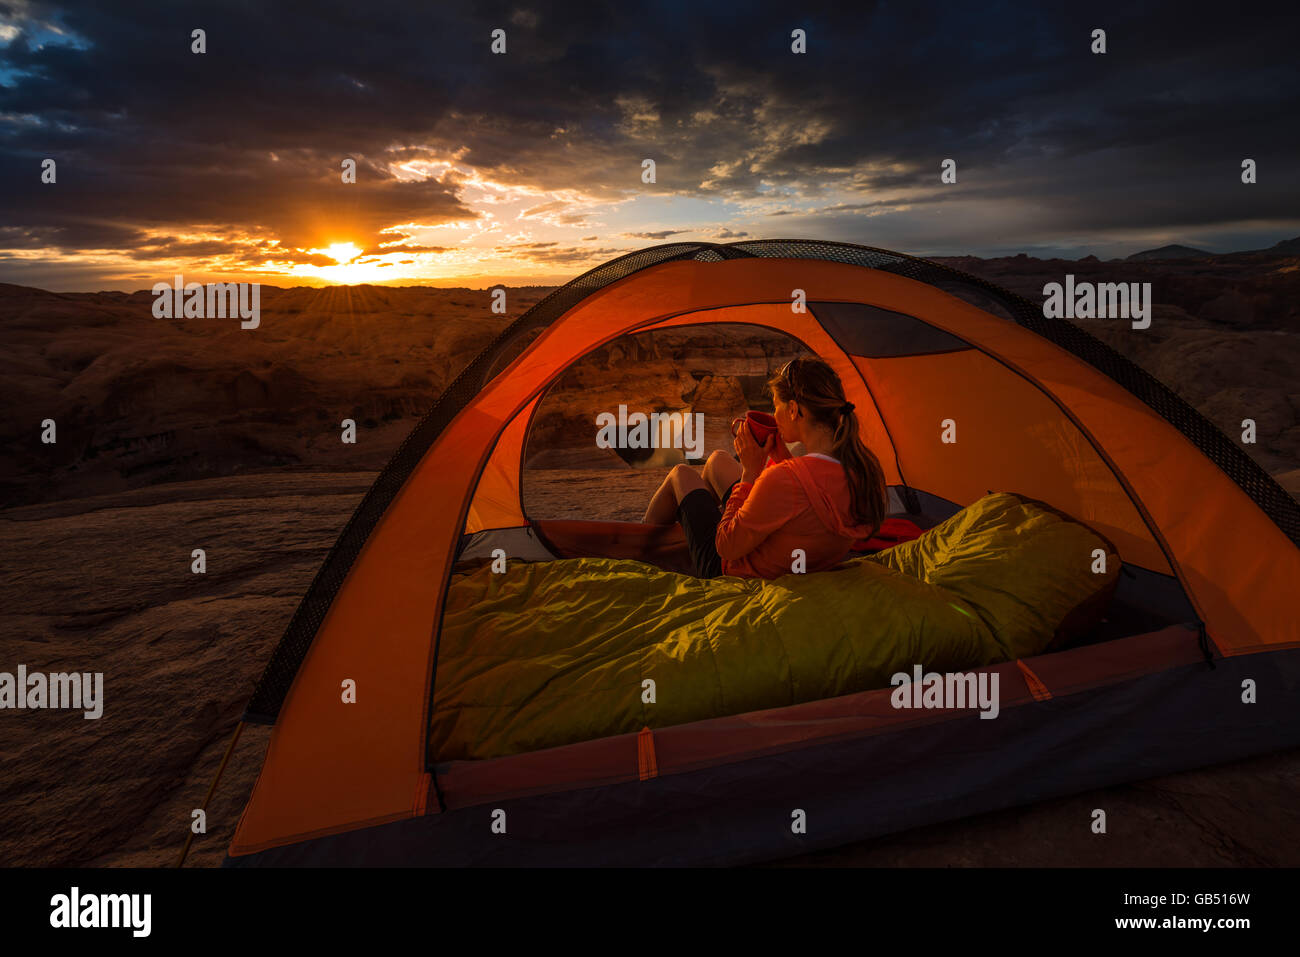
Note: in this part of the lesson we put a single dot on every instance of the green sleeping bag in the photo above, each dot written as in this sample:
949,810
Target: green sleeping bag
550,653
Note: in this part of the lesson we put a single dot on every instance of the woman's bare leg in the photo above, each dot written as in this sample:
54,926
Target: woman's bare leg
721,471
662,509
681,480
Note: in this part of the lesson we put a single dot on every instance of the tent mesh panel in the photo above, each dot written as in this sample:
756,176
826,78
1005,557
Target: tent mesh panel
275,681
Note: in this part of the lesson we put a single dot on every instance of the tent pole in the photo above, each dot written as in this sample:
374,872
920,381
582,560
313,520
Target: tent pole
211,790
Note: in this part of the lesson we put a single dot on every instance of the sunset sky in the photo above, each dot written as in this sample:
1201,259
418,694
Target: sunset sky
475,168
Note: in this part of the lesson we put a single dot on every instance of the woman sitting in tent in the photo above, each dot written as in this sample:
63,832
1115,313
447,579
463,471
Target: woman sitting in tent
747,518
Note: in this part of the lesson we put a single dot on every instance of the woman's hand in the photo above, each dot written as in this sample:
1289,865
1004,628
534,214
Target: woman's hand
752,455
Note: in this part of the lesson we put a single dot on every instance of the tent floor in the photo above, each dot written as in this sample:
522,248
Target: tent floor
853,788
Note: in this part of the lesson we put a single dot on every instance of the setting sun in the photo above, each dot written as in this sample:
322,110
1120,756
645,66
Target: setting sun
342,252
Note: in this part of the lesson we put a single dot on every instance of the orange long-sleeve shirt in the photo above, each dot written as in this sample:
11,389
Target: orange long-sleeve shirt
800,503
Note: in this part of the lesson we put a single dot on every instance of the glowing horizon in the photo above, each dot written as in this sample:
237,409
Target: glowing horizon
332,166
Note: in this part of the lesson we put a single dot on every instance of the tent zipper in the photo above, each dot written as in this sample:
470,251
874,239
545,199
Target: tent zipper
1203,639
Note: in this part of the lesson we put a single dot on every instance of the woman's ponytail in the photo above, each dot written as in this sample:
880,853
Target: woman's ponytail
868,497
814,385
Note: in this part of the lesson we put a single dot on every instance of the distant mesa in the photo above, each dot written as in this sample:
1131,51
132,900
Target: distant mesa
1287,247
1169,252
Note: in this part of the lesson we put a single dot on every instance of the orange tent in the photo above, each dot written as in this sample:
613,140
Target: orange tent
1209,543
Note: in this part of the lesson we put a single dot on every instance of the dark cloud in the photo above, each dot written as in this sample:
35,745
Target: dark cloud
515,248
554,254
404,248
244,143
303,256
544,208
658,234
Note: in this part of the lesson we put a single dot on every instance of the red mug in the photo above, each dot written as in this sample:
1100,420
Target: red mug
762,426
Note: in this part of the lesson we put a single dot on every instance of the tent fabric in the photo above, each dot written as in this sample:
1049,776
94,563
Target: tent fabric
1177,497
1011,436
497,501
